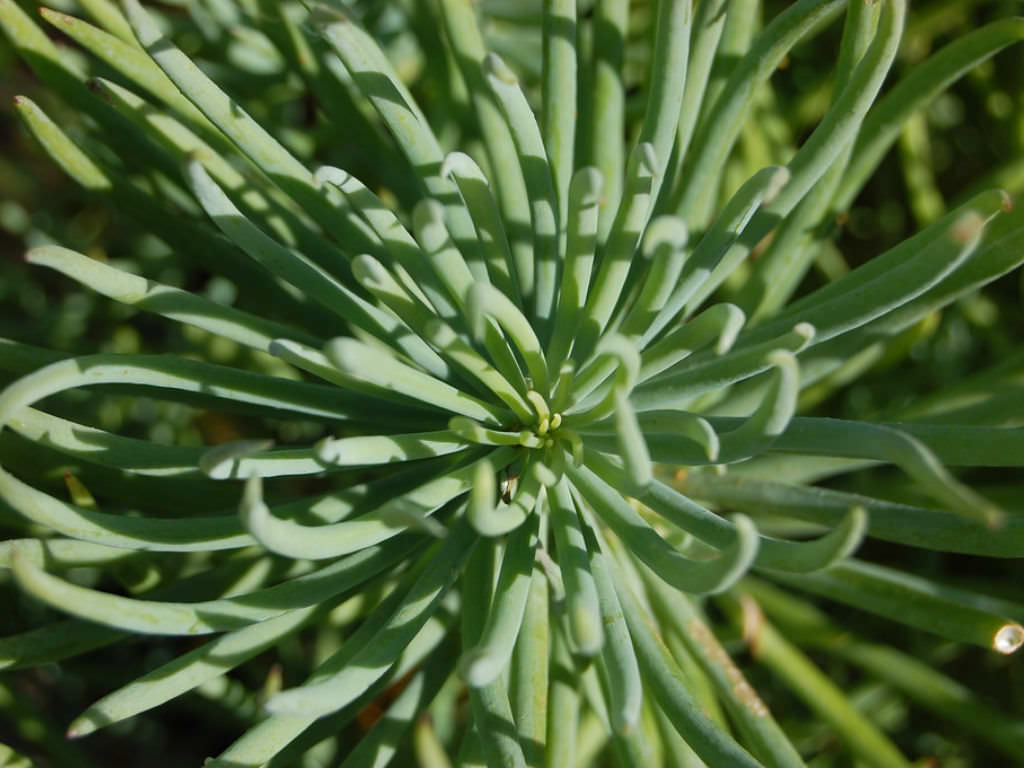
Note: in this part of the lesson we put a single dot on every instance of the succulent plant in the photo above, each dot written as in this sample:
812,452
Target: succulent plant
517,422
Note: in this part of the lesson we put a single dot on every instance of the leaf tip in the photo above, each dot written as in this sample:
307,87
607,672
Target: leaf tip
752,623
480,667
735,318
994,517
667,231
625,720
587,631
328,174
368,271
278,347
55,17
806,330
967,227
586,186
344,353
459,164
327,450
79,728
252,510
1009,638
497,68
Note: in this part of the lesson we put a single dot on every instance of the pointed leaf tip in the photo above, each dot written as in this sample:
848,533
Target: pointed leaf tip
56,17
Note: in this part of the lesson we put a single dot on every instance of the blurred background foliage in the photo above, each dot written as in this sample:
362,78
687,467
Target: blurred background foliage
969,138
